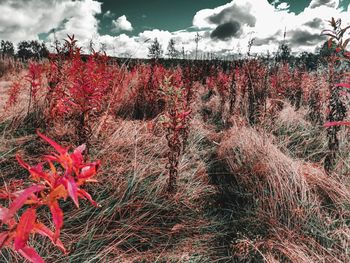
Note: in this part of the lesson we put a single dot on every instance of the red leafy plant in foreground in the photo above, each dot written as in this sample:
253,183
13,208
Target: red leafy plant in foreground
59,176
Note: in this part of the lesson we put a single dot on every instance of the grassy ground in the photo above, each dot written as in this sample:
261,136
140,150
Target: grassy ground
245,194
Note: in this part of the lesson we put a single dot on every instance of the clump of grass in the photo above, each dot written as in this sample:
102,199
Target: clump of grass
298,137
294,201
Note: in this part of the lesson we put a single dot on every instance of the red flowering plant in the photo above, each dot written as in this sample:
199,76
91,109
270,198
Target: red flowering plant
34,78
337,108
13,94
60,175
176,120
148,103
220,83
82,85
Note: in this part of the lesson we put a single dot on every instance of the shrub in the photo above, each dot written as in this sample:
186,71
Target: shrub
60,175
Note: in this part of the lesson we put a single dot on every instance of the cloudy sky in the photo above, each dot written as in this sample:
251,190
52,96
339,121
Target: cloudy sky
125,27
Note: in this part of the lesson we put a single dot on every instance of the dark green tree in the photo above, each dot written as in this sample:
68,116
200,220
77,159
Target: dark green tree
32,50
44,52
283,53
24,50
172,51
155,51
308,60
7,48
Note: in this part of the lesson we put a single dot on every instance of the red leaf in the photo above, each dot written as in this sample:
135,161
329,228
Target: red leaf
24,227
330,42
31,255
72,189
57,217
3,238
53,157
22,163
58,148
77,156
337,123
89,170
3,212
21,199
184,114
344,85
4,195
36,171
45,231
86,195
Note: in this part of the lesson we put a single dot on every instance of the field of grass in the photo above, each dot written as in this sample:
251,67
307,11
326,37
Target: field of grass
205,162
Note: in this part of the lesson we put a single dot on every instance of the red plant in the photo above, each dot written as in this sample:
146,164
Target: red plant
78,86
13,93
60,175
337,109
34,79
176,121
337,123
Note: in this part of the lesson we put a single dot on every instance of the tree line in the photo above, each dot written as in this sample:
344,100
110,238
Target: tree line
32,49
284,54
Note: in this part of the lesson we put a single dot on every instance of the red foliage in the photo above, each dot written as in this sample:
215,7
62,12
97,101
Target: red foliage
65,174
176,120
13,93
34,78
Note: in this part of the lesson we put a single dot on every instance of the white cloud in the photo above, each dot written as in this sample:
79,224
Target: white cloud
233,25
122,24
23,20
82,22
258,19
108,14
275,2
283,5
267,24
124,45
328,3
200,20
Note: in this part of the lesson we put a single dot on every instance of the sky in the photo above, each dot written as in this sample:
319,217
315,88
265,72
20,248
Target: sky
127,27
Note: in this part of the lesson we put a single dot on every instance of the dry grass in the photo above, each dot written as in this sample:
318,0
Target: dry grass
293,198
244,194
138,220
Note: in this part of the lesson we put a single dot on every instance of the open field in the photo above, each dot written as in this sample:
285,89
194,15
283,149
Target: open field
213,162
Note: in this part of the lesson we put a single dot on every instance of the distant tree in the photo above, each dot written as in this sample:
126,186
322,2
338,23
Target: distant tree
155,51
36,47
309,60
196,40
44,52
283,53
7,48
91,46
32,49
183,53
172,51
24,50
327,49
103,47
